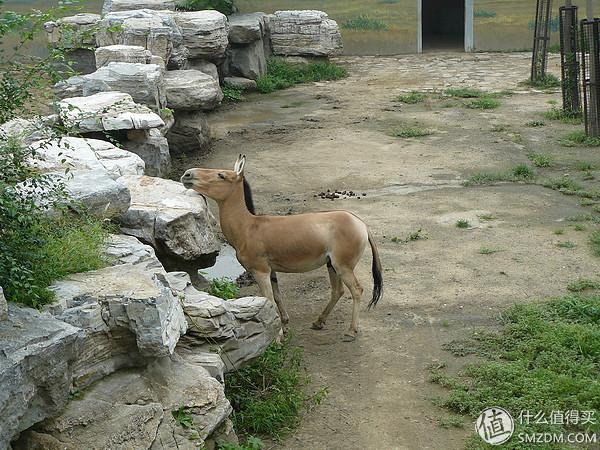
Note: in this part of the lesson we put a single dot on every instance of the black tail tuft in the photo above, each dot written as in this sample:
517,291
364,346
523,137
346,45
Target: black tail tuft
377,284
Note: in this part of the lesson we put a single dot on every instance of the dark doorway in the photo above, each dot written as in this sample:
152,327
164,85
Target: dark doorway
443,24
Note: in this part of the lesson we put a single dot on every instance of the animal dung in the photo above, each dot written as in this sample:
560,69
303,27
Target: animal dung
337,194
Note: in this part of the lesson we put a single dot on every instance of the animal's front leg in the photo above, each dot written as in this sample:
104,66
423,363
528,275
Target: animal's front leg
263,279
279,300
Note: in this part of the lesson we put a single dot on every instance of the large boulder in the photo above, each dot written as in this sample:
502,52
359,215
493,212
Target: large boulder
304,33
192,90
247,28
29,130
85,154
128,5
153,148
73,32
247,61
139,410
204,33
203,66
37,355
144,82
107,111
241,328
175,221
190,133
122,53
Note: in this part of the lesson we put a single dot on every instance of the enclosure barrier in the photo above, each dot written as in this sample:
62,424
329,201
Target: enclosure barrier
541,36
590,64
569,62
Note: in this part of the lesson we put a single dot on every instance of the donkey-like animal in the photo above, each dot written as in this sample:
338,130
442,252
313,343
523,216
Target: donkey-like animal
266,245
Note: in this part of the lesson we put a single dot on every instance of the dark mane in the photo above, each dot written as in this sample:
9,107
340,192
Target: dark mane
248,197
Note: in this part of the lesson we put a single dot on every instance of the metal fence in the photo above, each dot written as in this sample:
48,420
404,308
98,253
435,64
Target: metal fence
590,70
541,36
569,44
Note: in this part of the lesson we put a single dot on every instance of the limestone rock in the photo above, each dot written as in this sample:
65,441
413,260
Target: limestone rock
167,216
29,130
304,33
134,410
247,61
153,148
107,111
85,154
122,53
3,306
123,249
129,5
37,353
243,327
192,90
144,82
190,133
205,33
244,84
247,28
203,66
74,31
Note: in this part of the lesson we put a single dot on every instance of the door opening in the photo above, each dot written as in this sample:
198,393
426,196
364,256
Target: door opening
443,25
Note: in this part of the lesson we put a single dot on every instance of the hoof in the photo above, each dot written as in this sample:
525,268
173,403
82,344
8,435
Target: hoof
317,325
349,336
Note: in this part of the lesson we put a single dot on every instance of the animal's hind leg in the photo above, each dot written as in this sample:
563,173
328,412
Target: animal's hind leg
278,299
337,289
349,279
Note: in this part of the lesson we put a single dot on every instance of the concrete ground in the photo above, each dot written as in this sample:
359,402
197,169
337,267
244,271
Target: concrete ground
338,136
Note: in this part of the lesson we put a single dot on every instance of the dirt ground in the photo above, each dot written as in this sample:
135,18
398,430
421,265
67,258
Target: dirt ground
336,135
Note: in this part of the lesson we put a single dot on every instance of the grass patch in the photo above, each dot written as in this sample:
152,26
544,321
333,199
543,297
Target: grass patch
462,223
267,396
252,443
579,227
183,418
584,166
489,250
535,124
483,103
544,357
564,183
418,235
523,172
282,74
541,159
583,284
566,244
232,94
564,116
364,22
549,81
451,422
483,13
411,98
224,288
559,231
464,93
412,132
498,128
579,139
595,242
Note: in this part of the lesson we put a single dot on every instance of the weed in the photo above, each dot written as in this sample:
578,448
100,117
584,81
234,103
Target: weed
497,128
595,242
559,231
412,98
579,139
584,166
584,218
541,159
388,2
451,422
464,92
587,202
282,74
232,94
487,217
544,357
445,323
566,244
182,417
582,284
564,183
549,81
482,178
412,132
364,22
462,223
489,250
523,171
295,104
223,288
535,124
579,227
564,116
252,443
414,236
483,103
484,13
267,395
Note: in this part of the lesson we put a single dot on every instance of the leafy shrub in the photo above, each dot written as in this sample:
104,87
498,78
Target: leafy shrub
223,6
232,94
223,288
37,248
364,22
411,98
282,74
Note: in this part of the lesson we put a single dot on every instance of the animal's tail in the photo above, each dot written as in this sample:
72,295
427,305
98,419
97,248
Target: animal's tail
377,278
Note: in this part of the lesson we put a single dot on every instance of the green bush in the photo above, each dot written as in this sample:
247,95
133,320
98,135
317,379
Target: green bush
37,248
223,6
232,94
282,74
223,288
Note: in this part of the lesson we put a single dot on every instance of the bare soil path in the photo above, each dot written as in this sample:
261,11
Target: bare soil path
311,138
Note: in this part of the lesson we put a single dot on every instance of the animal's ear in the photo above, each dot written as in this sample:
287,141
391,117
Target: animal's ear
239,165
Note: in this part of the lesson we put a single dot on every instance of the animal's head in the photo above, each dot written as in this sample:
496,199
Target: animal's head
217,184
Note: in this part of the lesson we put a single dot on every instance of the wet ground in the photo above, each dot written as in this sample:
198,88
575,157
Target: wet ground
337,136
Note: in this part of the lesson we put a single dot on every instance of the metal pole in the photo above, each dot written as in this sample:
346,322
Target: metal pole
590,9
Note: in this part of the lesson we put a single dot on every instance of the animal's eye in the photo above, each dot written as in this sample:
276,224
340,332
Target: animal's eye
221,176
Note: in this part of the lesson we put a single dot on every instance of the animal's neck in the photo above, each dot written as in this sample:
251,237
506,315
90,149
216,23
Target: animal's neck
234,216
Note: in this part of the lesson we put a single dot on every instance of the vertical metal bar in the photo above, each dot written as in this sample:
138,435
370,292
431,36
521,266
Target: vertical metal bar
569,60
590,9
469,44
419,26
590,58
541,37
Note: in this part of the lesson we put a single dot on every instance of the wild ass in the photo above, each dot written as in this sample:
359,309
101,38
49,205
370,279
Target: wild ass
266,245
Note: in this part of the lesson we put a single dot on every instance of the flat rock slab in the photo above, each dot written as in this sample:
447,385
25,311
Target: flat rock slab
173,220
129,5
37,355
205,33
107,111
192,90
76,31
247,28
122,53
304,33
